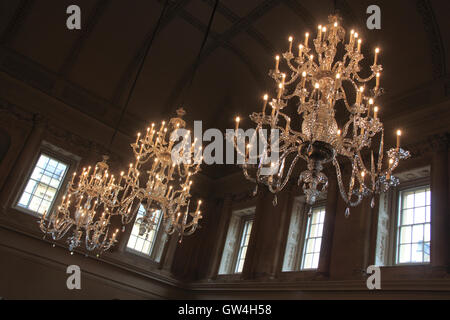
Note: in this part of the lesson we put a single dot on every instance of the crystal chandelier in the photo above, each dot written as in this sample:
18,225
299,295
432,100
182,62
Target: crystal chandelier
321,83
170,169
87,207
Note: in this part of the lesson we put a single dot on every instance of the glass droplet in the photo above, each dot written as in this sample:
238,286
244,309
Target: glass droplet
123,228
98,255
255,192
347,212
275,201
372,203
53,245
71,253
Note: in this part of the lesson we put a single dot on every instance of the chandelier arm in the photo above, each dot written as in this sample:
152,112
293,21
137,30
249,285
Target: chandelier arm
339,180
288,175
293,69
344,98
61,232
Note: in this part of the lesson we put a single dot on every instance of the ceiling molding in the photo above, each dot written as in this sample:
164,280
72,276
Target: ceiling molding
431,27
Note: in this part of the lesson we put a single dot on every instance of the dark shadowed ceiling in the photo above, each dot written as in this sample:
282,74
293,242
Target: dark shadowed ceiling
92,69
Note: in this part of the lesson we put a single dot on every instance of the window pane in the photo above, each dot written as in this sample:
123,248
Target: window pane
417,235
417,252
310,246
30,186
414,226
41,188
43,161
405,253
313,239
419,199
405,235
317,245
427,232
408,200
24,199
408,216
308,261
419,215
315,262
143,238
242,250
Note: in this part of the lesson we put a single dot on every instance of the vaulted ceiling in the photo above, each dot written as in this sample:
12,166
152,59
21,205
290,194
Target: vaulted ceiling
92,69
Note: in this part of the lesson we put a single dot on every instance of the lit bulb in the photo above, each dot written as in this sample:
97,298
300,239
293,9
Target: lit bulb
399,132
316,85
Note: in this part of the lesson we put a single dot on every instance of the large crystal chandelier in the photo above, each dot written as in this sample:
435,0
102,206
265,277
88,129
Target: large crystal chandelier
88,205
320,82
170,166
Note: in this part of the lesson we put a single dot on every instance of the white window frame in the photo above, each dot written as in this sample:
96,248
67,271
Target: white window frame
158,237
317,209
294,251
388,218
57,154
231,253
246,223
398,226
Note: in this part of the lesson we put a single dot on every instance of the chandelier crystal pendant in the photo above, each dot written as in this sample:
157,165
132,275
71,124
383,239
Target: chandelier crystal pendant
171,165
321,82
87,207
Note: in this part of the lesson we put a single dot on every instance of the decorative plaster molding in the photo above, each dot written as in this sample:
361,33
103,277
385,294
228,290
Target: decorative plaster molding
434,36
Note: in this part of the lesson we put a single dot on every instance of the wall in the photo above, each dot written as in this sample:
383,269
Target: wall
31,268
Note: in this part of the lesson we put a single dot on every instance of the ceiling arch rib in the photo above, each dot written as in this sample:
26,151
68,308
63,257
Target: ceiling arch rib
223,40
251,31
125,80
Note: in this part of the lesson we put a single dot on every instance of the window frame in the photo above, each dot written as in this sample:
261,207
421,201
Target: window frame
395,226
393,207
241,214
56,153
242,223
305,230
158,237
